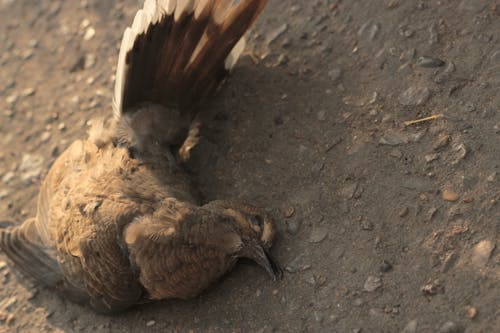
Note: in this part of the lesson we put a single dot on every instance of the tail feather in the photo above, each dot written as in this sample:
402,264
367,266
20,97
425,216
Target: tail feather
18,244
176,52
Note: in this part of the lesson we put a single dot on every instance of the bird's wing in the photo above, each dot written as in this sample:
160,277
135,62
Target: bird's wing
180,250
177,51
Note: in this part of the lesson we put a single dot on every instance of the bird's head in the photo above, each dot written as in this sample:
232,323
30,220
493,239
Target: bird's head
256,230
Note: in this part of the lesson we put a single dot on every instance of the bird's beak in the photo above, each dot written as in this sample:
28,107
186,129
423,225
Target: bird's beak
264,259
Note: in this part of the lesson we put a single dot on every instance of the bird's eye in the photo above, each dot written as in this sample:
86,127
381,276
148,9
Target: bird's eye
256,220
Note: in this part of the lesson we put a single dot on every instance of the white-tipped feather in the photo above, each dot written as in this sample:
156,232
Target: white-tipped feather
126,45
167,6
139,22
155,11
235,54
183,6
202,6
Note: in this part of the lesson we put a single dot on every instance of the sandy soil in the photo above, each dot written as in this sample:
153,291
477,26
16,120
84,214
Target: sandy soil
384,226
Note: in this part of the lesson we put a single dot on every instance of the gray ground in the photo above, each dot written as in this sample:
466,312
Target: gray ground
384,227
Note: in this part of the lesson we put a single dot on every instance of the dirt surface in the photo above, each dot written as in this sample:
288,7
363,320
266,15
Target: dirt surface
384,227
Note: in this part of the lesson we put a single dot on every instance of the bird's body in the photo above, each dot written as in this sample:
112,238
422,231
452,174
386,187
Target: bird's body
118,222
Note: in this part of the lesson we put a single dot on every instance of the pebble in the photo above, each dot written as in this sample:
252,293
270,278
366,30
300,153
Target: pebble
150,323
3,194
8,177
431,157
449,195
482,253
369,30
7,303
433,288
276,33
318,234
385,266
372,283
459,152
288,212
89,61
295,265
428,62
404,212
450,327
442,141
89,33
414,96
393,138
293,226
12,99
3,264
45,137
471,312
411,327
28,92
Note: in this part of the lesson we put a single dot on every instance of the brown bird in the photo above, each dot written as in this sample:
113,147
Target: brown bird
118,222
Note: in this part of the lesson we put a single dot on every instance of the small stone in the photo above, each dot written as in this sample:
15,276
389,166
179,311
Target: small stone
411,327
4,194
349,190
367,225
318,234
393,138
433,288
10,319
450,327
45,137
449,195
431,157
295,265
491,178
415,96
89,33
3,264
276,33
8,177
28,92
471,312
61,127
404,212
6,304
442,141
369,30
372,283
288,212
89,60
385,267
482,253
150,323
12,99
459,152
293,226
428,62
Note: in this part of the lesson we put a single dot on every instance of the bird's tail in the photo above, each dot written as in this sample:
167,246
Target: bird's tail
22,246
177,51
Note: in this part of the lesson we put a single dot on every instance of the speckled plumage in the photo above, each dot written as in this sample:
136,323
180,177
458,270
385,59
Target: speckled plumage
118,222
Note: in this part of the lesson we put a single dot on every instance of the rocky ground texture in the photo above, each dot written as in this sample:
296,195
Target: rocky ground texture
371,130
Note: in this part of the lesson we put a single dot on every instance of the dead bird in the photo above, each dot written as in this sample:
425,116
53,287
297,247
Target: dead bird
118,221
